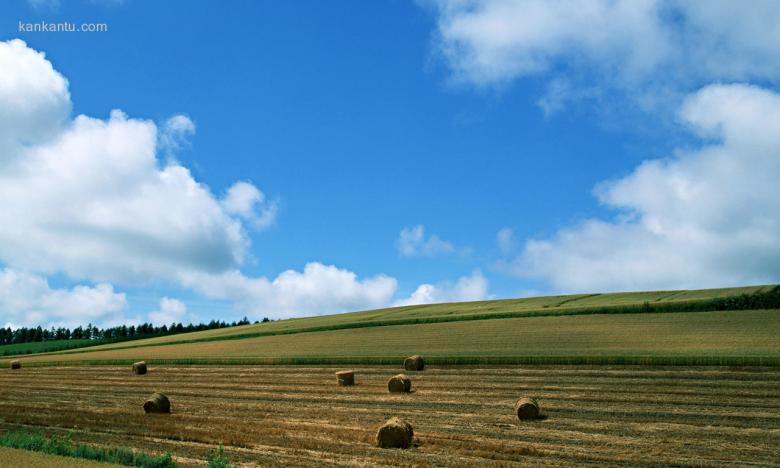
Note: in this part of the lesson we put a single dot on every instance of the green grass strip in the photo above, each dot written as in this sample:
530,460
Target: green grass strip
638,360
63,446
765,300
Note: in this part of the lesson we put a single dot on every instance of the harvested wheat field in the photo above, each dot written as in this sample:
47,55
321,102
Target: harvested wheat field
464,416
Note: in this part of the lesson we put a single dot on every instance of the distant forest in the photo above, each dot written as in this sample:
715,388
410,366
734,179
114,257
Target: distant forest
118,333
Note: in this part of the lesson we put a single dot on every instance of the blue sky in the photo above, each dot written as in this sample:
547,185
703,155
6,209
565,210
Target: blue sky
359,122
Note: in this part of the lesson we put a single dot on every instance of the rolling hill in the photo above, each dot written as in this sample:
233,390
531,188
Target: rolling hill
713,326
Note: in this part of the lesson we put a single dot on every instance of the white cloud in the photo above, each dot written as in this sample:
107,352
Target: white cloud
494,41
466,288
170,311
34,98
652,49
505,239
248,202
412,243
701,218
28,300
174,133
319,289
91,198
561,92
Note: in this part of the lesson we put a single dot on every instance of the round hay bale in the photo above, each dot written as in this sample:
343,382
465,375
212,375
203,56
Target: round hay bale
139,368
414,363
346,378
157,403
395,433
399,384
527,408
16,364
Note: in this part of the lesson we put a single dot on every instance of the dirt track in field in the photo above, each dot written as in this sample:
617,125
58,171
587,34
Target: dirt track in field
279,415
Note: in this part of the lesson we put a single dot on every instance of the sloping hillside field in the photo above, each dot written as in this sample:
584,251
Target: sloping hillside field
733,337
686,378
621,325
667,327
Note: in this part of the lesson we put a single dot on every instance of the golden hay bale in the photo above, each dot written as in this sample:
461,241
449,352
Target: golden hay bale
527,408
395,433
157,403
139,368
399,384
414,363
16,364
346,378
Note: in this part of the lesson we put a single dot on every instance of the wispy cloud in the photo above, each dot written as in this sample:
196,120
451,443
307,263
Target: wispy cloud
505,239
653,50
412,242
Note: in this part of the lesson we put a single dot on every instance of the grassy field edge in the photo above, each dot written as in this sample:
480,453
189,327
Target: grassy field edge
64,447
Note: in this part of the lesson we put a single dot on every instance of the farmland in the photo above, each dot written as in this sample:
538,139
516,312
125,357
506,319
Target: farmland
652,338
610,416
541,316
41,347
278,403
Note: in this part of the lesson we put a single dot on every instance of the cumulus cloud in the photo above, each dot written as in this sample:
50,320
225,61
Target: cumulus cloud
91,198
467,288
34,98
27,300
654,49
412,242
318,289
701,218
248,202
170,311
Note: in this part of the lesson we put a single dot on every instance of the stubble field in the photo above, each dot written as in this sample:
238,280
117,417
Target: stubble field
462,416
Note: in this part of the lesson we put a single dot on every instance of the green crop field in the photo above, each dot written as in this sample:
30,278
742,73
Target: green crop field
646,338
512,314
42,347
605,328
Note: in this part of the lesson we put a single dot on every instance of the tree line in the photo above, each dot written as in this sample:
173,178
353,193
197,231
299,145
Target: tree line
117,333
